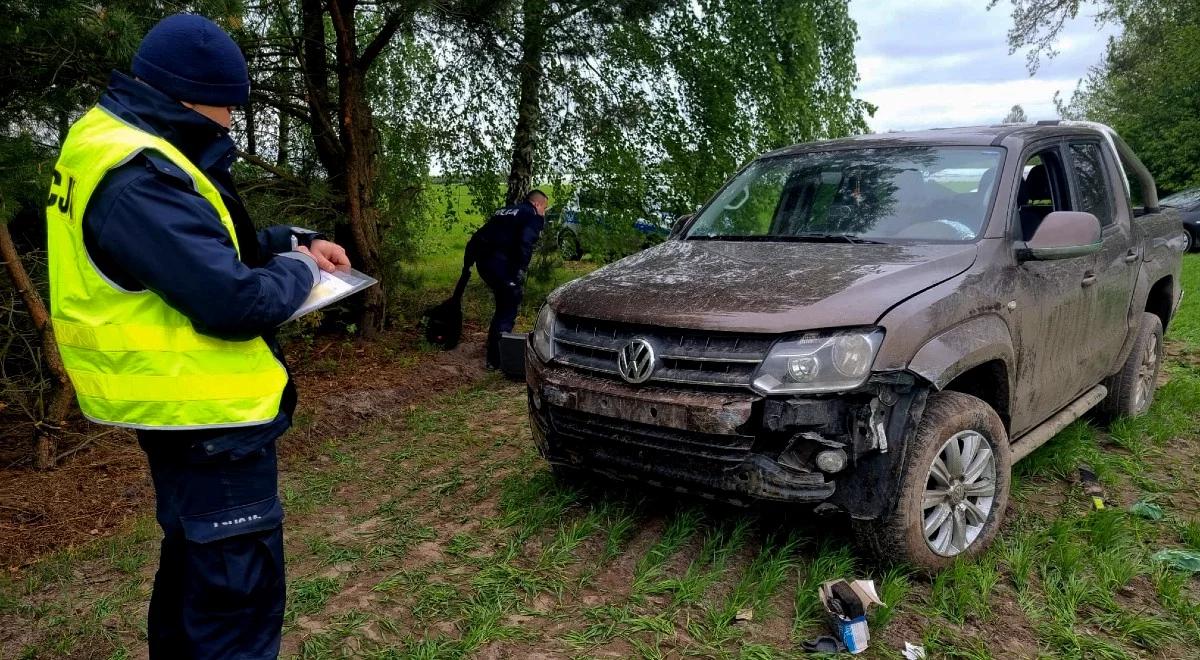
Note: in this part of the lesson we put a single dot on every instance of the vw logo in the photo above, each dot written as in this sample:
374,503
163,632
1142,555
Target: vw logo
636,361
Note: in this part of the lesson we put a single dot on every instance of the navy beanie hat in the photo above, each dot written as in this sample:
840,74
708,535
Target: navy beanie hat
190,58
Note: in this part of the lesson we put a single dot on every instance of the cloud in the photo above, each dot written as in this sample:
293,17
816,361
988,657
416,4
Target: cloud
946,63
963,104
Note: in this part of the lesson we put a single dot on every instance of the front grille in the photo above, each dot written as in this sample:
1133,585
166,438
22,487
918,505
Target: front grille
597,432
688,357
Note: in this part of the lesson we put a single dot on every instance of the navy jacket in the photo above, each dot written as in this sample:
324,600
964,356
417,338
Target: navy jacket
505,242
145,227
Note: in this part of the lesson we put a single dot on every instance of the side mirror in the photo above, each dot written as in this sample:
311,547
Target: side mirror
1062,235
679,224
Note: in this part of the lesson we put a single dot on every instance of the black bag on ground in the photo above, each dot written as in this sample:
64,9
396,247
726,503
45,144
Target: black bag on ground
443,322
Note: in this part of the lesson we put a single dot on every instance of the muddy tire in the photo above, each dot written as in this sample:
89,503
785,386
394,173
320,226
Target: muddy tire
1131,390
953,489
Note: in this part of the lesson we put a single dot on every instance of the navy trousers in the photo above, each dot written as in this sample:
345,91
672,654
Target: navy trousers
219,590
497,274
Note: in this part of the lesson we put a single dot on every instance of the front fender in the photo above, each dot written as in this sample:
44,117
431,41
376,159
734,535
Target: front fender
964,346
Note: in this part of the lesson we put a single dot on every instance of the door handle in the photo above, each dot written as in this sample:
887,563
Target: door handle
1088,279
1131,256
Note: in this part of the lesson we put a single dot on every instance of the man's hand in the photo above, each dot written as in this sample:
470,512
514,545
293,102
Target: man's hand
329,255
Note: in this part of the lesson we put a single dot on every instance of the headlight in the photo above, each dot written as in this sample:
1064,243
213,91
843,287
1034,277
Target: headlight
543,334
819,362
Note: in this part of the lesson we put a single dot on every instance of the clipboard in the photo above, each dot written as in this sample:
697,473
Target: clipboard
332,288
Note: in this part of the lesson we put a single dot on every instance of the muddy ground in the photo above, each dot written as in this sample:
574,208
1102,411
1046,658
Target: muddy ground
103,480
422,524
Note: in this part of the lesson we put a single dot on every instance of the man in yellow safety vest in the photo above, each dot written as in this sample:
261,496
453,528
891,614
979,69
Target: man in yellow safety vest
164,301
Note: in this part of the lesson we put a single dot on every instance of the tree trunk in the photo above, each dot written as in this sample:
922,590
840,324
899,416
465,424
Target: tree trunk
55,414
358,140
359,160
529,109
282,148
64,125
349,153
315,73
251,130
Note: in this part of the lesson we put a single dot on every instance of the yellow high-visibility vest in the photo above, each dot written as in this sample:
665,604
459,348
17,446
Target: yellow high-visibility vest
134,360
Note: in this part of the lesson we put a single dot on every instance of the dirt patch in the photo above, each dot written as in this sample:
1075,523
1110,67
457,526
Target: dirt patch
95,492
1180,353
92,495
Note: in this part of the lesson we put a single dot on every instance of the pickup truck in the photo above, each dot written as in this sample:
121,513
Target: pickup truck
876,326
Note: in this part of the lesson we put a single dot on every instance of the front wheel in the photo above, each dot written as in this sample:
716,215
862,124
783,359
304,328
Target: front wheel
953,490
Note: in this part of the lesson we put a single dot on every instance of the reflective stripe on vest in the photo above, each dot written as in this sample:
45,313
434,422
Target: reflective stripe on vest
134,360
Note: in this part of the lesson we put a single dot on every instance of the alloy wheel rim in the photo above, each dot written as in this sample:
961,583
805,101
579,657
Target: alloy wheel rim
1147,373
960,490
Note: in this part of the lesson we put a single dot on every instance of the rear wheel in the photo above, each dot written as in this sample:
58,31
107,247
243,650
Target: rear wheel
1131,390
953,490
1191,245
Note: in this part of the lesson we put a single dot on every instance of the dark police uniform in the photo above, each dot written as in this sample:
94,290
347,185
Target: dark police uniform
219,590
501,250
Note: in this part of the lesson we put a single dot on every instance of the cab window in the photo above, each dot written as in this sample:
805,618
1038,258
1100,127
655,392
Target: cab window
1042,191
1091,182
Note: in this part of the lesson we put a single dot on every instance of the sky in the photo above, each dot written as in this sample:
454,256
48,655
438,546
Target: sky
937,63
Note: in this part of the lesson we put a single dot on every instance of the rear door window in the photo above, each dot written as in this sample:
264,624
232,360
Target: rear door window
1091,182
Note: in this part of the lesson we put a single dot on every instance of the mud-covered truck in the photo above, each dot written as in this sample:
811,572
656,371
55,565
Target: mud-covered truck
878,326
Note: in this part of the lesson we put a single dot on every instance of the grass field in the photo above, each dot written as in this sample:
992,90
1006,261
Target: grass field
434,531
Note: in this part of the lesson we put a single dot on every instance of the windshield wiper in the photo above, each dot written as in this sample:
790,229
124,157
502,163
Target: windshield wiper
830,238
788,238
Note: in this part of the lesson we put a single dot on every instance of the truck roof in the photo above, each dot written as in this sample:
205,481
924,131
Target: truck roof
962,136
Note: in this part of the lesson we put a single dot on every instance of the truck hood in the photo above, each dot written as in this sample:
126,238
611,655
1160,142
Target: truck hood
762,287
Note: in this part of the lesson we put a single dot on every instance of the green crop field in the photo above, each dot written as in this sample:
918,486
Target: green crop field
435,531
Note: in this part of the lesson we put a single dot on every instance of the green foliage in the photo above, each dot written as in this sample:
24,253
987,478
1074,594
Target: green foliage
22,162
1148,88
1015,116
308,595
965,589
753,76
57,57
648,103
651,109
408,110
58,54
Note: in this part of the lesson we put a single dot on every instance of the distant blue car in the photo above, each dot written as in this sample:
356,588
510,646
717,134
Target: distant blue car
575,225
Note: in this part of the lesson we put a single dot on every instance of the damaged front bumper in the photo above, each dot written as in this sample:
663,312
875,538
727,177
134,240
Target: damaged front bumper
730,445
